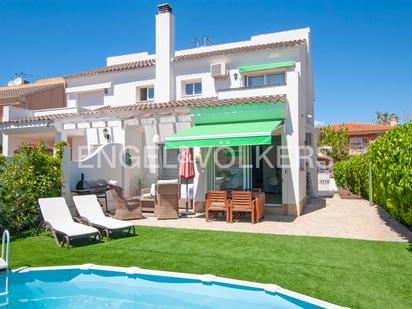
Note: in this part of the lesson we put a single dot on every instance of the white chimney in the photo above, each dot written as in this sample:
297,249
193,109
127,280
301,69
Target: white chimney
165,52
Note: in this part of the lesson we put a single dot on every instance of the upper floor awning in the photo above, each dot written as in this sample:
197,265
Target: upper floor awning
268,66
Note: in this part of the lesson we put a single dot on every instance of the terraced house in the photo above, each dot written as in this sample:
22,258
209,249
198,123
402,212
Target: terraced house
23,99
245,96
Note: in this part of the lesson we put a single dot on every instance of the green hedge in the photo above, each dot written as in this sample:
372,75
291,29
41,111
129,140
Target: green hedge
31,174
391,160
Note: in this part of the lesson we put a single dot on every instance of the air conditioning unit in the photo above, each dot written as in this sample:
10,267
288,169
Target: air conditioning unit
219,70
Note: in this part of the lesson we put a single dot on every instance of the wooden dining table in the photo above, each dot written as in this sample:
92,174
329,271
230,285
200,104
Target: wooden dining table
260,203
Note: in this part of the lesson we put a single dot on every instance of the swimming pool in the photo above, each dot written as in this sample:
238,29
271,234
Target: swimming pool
92,286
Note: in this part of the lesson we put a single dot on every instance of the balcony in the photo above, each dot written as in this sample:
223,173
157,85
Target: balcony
244,92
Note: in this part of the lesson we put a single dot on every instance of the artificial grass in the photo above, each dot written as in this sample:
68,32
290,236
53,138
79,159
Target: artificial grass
352,273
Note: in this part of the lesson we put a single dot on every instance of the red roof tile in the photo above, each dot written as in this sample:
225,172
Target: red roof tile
239,50
10,92
150,106
190,56
360,127
114,68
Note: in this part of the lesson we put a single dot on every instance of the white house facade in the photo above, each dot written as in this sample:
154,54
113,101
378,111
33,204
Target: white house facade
248,103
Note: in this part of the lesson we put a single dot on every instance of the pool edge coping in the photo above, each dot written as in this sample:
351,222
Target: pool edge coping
205,278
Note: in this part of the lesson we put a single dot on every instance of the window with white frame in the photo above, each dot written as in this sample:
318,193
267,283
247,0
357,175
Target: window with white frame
271,79
192,88
356,143
145,94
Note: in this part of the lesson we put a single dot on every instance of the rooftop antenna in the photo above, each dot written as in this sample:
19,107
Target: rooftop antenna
20,79
207,40
196,42
22,75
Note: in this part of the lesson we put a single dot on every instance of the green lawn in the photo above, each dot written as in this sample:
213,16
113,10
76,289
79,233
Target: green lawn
353,273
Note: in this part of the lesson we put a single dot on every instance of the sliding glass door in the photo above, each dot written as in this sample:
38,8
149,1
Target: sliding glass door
230,168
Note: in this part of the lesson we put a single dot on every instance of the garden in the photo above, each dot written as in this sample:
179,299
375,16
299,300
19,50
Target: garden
383,173
352,273
31,174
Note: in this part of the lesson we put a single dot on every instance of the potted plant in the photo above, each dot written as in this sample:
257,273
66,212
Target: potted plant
226,175
139,185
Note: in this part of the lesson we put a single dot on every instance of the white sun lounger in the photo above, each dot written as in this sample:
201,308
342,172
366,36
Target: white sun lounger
92,214
58,219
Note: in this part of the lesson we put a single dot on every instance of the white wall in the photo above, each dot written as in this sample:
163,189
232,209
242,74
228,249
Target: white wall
133,143
291,188
122,91
89,99
95,166
169,86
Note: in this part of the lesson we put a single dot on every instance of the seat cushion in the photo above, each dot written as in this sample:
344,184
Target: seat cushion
72,229
112,224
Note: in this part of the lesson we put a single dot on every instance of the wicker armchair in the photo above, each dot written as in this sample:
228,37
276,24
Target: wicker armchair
147,201
167,201
127,208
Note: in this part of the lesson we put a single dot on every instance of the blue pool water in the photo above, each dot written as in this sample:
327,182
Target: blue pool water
75,288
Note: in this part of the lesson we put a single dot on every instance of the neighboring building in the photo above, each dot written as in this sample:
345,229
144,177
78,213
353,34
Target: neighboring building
362,134
22,99
248,95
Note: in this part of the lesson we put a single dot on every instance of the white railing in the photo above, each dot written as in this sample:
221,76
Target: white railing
251,92
4,261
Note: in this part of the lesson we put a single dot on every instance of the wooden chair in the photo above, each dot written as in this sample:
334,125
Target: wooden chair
242,202
217,201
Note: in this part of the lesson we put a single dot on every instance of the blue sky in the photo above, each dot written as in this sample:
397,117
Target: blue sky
362,50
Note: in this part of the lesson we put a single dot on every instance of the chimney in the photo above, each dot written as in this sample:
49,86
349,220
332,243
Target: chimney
165,52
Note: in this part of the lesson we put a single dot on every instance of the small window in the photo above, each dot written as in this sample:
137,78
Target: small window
308,140
266,80
275,79
146,94
193,88
356,143
254,81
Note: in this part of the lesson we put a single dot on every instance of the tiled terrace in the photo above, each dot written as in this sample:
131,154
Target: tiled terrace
331,217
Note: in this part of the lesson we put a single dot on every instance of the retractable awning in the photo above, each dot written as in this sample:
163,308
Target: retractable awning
225,135
231,125
268,66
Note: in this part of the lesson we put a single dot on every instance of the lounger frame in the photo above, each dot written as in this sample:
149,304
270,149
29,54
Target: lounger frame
107,231
66,238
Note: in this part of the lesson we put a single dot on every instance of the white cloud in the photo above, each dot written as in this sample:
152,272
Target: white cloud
319,123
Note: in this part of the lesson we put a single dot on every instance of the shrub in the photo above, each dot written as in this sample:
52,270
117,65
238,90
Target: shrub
352,174
338,140
390,157
30,175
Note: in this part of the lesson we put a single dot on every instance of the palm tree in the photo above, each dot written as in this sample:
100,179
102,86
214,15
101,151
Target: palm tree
385,118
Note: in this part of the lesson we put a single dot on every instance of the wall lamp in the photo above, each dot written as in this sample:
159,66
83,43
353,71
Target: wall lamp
235,75
106,134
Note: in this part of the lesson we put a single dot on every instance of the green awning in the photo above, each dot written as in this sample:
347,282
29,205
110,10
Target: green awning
269,66
225,135
238,113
